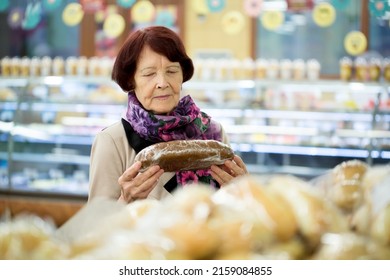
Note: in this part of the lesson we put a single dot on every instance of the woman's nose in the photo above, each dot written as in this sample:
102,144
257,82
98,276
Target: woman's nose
161,82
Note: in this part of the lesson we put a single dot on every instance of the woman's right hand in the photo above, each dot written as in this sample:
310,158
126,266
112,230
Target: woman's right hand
135,185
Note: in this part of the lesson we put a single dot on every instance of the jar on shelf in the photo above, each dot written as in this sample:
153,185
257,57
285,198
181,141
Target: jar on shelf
46,66
375,69
71,66
273,69
208,69
261,65
313,69
361,67
299,69
248,68
346,67
386,69
25,66
219,70
82,66
35,66
94,66
198,65
286,69
236,68
6,66
226,69
15,66
58,66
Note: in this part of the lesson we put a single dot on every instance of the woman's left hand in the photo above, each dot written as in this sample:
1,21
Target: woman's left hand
223,174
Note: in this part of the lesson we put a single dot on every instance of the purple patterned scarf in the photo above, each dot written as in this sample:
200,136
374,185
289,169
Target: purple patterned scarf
186,121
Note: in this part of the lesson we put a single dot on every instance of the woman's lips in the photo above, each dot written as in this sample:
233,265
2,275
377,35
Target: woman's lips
162,97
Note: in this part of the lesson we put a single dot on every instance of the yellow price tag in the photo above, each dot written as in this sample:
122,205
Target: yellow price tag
142,11
355,43
114,25
200,7
233,22
73,14
272,19
324,14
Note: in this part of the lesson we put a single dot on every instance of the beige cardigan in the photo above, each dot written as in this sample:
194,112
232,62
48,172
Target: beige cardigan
111,155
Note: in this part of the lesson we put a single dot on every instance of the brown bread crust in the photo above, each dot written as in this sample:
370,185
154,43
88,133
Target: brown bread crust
180,155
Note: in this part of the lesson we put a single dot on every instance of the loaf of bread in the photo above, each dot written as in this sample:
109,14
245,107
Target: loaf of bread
350,170
180,155
347,191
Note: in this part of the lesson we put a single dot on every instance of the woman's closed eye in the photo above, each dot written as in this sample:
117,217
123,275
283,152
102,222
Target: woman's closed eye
173,69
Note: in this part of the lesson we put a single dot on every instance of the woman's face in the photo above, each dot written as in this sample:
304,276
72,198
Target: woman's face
158,82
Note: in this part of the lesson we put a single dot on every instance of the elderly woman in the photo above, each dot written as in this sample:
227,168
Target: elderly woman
151,67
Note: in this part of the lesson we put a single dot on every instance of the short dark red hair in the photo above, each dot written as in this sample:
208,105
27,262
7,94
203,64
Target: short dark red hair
160,39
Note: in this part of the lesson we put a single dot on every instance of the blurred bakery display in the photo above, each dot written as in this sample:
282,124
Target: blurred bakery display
58,66
300,127
47,127
286,218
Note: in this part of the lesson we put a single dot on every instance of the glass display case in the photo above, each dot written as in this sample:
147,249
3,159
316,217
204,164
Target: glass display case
300,127
47,125
47,128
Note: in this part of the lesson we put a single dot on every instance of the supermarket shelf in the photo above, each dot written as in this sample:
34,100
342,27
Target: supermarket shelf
72,107
55,193
51,158
13,82
8,106
370,134
54,134
306,150
268,129
55,140
54,80
219,85
293,85
301,171
312,115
